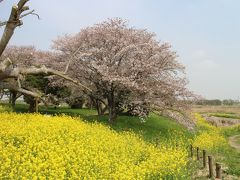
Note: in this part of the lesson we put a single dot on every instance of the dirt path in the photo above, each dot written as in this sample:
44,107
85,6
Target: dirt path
233,141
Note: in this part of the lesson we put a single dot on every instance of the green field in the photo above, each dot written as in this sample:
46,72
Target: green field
225,115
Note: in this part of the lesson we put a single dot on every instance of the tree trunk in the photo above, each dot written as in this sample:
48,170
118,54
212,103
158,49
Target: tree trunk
33,105
98,107
112,109
9,29
10,98
13,22
112,115
13,98
90,102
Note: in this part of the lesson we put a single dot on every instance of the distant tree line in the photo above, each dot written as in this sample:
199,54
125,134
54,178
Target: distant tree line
216,102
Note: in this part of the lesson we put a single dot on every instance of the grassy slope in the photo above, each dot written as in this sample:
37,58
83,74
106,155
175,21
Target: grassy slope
238,140
155,126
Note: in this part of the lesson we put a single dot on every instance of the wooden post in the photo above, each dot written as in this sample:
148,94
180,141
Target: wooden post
210,166
191,151
218,171
204,158
198,154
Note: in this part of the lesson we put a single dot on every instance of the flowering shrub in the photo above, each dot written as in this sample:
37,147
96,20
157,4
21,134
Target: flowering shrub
203,125
61,147
209,141
209,137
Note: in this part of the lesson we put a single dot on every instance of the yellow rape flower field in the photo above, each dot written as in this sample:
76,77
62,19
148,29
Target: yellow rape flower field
209,136
34,146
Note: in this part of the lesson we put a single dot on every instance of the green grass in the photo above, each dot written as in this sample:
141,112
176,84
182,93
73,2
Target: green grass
231,160
231,155
155,127
238,140
225,115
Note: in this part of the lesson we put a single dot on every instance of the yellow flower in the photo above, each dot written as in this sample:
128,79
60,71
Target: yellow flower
210,138
62,147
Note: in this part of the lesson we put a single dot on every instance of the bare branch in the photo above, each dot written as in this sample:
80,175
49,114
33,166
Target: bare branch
12,86
18,72
48,71
13,22
25,8
3,23
71,59
21,3
26,14
19,82
30,93
30,13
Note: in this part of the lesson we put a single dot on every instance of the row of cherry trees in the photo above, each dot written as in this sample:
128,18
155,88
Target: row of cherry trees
121,67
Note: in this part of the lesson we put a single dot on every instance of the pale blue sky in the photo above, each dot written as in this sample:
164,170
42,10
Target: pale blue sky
205,33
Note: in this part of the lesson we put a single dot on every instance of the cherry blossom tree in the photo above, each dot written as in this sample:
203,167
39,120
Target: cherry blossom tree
124,66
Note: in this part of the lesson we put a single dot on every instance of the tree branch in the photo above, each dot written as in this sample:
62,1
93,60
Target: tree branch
30,13
14,21
21,3
13,87
4,64
48,71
